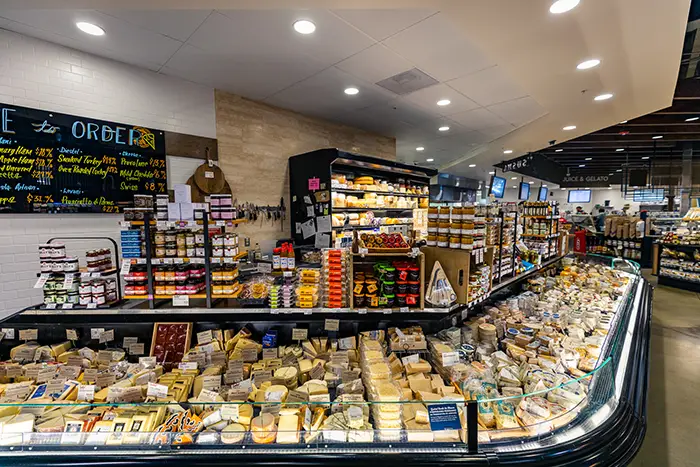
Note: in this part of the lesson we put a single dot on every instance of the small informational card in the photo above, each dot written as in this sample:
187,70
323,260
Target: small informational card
444,417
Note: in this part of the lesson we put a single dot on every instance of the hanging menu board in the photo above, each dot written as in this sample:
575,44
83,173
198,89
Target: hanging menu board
51,162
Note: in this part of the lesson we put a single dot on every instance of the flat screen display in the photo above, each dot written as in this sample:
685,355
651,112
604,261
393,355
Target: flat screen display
524,193
580,196
648,195
544,191
498,186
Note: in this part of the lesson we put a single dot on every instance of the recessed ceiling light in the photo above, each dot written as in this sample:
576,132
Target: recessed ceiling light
657,137
582,165
603,97
420,148
623,122
472,165
588,64
562,6
351,91
429,160
89,28
443,102
691,119
609,188
558,150
508,151
304,26
443,128
563,188
530,183
589,158
619,170
492,173
610,173
619,149
569,128
544,185
515,186
513,178
645,158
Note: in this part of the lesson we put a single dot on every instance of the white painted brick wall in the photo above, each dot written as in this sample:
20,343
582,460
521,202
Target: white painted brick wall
41,75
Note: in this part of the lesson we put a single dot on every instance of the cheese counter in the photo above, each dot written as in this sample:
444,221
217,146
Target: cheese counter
540,372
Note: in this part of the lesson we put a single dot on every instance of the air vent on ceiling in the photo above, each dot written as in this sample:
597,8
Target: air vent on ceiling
407,81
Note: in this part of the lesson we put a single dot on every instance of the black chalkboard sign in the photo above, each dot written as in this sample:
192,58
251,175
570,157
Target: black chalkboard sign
52,162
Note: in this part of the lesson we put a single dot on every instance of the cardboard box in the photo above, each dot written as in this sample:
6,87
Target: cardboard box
455,263
183,193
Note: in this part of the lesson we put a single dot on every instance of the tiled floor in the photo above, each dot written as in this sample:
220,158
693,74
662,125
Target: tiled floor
673,429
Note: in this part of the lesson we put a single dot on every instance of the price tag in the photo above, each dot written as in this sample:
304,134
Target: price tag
230,412
450,358
92,306
300,334
204,337
148,362
42,280
86,392
415,251
127,341
362,311
269,353
387,311
28,334
181,300
125,224
287,273
106,336
68,281
265,268
51,306
249,355
67,306
363,251
71,334
157,390
9,333
332,324
126,267
403,309
415,358
136,349
187,365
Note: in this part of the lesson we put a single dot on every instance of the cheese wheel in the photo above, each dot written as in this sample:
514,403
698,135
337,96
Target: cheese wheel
232,434
263,429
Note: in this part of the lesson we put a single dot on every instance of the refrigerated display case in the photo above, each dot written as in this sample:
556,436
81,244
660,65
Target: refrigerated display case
443,424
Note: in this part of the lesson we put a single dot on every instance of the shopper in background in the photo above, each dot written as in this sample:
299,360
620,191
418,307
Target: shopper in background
600,220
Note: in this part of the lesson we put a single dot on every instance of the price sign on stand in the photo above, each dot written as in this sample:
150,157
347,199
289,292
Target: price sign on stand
300,334
181,300
332,325
42,280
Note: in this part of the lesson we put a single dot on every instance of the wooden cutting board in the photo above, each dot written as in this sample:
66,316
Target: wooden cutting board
198,195
209,179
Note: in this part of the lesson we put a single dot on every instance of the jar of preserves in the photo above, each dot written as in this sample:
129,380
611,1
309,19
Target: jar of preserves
433,213
455,241
443,227
432,240
443,241
456,228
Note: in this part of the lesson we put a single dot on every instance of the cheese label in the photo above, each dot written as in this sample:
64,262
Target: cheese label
317,372
212,382
90,374
260,376
69,371
300,334
289,360
45,374
96,332
415,358
250,355
346,343
204,337
269,353
107,336
104,356
28,334
450,358
207,395
87,352
136,349
104,380
371,288
218,357
148,362
9,333
358,289
332,324
230,412
157,390
187,365
71,334
296,396
127,341
86,393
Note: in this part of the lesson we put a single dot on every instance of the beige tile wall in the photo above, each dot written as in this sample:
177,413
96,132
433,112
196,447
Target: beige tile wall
255,142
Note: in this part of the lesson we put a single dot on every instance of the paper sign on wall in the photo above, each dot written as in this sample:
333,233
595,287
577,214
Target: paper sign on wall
323,223
308,229
314,184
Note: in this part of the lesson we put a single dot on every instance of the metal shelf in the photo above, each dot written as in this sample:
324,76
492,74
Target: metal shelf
360,227
383,193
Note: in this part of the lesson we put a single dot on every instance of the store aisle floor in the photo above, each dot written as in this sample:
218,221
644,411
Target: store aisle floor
673,412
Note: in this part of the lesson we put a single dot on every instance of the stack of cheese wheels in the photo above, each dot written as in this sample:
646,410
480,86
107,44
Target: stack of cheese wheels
289,375
263,428
487,332
233,433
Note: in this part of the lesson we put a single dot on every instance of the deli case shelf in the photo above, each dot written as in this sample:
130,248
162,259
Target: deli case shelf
450,414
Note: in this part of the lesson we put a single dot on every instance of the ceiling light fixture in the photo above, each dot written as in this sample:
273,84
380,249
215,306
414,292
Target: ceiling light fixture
657,137
530,183
603,97
515,186
562,6
691,119
513,178
585,65
420,148
429,160
582,165
492,173
89,28
472,165
623,122
443,102
443,128
544,185
619,170
508,151
558,150
563,189
589,158
351,91
619,149
645,158
304,26
569,128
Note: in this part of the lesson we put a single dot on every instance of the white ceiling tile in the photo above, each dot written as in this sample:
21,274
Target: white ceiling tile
478,119
488,87
247,76
439,48
496,132
375,64
519,111
399,111
427,98
178,24
122,41
381,24
269,34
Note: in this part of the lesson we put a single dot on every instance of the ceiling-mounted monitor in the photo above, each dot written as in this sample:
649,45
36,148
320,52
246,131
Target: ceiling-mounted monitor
498,186
542,195
580,196
524,191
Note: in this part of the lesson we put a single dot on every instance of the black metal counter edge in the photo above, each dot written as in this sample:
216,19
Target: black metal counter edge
614,443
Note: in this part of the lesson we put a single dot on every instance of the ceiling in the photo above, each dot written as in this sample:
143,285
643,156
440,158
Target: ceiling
507,66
